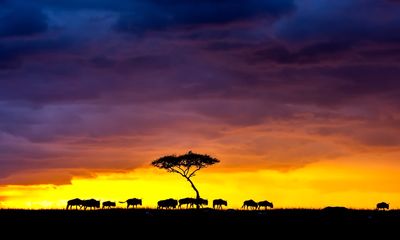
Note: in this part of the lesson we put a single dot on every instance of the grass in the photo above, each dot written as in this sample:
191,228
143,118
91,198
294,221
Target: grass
204,222
205,216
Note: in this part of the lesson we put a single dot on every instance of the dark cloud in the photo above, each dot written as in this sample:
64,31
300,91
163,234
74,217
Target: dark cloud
161,15
22,21
336,86
13,52
373,133
225,46
121,5
313,54
208,34
387,54
149,62
18,154
102,62
75,93
143,15
369,20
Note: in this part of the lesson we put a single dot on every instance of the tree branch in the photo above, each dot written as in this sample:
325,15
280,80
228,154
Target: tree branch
182,171
176,171
192,174
187,170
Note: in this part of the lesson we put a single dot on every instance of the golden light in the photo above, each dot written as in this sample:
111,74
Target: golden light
315,186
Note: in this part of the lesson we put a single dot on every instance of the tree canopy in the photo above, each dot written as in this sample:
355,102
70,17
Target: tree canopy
185,165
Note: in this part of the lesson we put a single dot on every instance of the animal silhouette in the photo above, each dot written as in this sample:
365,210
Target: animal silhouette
218,203
335,211
186,201
167,203
108,204
133,202
265,204
200,201
250,204
91,204
382,205
74,202
191,202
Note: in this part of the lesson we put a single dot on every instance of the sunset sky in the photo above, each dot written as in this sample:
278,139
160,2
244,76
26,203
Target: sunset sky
298,99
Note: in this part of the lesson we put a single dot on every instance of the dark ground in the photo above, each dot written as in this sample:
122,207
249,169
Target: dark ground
202,223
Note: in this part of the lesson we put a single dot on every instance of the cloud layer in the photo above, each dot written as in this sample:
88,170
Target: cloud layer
91,86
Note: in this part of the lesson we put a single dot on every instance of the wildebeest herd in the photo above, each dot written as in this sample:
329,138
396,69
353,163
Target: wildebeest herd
171,203
89,203
92,203
251,204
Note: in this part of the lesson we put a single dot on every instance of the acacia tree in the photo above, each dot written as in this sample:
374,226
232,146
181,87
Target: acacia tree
186,165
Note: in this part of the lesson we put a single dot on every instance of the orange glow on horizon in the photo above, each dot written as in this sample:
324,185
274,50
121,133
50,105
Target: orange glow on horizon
315,186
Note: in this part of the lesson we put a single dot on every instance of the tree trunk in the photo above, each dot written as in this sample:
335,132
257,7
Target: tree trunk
197,193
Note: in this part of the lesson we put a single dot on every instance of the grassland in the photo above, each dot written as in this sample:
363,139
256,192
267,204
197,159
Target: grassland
203,221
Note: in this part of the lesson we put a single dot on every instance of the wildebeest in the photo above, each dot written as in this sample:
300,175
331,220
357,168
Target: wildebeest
200,201
265,204
250,204
191,202
108,204
167,203
74,202
186,201
382,205
218,203
90,203
335,211
133,202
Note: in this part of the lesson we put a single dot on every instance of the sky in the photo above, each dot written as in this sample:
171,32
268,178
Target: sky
298,99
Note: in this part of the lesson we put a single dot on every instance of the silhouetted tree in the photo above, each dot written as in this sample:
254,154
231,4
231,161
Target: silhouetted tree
186,165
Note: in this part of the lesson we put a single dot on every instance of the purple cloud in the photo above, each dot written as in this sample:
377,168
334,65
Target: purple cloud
75,94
